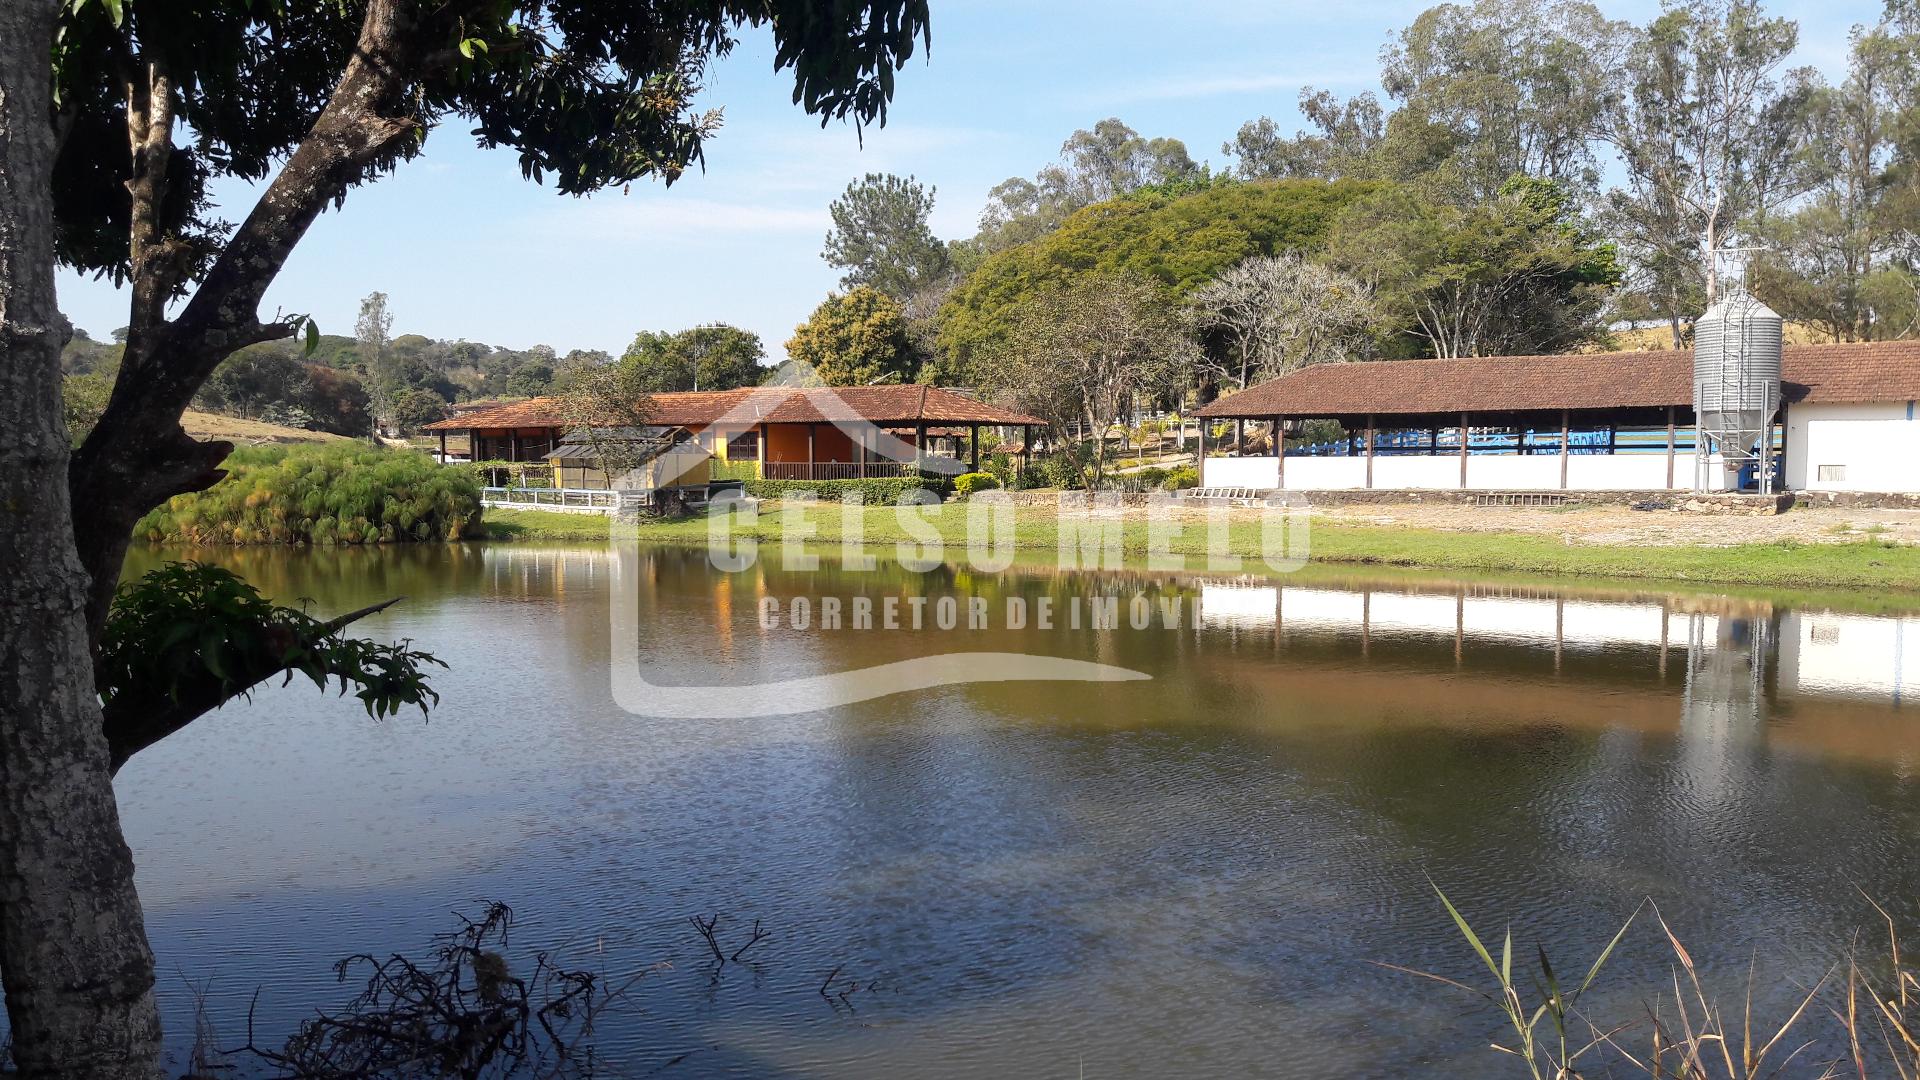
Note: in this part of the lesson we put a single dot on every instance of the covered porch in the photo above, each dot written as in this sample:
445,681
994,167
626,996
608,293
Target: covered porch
1562,450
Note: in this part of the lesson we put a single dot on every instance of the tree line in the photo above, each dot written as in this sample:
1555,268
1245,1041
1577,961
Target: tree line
1536,174
341,384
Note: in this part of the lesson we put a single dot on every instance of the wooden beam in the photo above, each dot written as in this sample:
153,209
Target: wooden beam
1280,454
443,448
1463,450
1566,432
973,447
760,457
1669,447
811,475
1371,439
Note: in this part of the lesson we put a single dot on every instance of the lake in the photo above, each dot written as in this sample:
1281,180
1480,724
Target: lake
1191,873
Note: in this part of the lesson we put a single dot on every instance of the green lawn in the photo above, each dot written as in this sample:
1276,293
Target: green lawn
1861,564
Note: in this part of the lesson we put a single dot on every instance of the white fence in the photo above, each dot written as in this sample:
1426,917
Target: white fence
565,500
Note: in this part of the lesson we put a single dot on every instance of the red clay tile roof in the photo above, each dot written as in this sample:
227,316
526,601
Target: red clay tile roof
1859,372
772,404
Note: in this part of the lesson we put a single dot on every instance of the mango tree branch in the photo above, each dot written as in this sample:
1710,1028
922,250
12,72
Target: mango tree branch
188,638
138,456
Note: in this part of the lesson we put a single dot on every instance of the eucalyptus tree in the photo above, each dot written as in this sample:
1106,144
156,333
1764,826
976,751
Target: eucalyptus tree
881,237
108,156
1095,165
1341,143
1843,260
1710,134
1516,87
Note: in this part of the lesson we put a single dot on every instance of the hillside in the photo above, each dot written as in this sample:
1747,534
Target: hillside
205,425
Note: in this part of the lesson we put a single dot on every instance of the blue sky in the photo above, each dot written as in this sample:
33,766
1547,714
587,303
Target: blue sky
465,248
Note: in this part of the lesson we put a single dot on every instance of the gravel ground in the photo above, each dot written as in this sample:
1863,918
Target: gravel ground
1666,528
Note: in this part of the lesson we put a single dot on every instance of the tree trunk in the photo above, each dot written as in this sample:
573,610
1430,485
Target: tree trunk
73,951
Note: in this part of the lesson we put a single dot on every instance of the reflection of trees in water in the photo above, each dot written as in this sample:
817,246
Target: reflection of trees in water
345,577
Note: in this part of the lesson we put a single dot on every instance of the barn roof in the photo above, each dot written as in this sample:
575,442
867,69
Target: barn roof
1854,372
768,404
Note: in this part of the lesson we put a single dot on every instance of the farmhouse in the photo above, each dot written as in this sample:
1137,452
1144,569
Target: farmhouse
766,432
1620,421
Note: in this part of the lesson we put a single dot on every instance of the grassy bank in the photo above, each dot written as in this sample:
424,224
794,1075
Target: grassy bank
1852,564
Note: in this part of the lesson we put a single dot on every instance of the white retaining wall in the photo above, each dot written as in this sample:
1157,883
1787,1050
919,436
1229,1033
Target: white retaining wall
1486,472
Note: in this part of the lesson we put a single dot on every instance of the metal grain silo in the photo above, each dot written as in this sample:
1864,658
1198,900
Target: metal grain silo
1736,383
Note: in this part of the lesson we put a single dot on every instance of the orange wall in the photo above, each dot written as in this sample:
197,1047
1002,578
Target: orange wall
788,443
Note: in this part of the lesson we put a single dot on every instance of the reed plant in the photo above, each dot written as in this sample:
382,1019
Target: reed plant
1861,1018
329,494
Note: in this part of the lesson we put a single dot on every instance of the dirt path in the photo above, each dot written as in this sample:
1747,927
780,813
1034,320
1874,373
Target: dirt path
1663,528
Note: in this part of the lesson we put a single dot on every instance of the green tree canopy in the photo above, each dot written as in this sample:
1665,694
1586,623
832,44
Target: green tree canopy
1176,241
715,357
856,338
1523,273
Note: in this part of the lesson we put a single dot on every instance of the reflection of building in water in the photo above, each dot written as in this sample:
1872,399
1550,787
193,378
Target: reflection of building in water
1829,653
1736,652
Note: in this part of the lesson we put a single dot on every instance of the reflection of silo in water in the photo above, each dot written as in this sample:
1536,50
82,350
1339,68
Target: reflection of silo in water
1724,703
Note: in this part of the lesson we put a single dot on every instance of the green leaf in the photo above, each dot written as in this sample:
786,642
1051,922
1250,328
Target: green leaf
313,336
1466,931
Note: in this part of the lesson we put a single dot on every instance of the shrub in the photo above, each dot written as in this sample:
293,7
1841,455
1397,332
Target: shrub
874,490
967,483
1067,468
340,493
1183,477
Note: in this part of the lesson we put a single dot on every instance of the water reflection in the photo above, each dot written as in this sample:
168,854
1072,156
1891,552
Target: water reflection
1171,877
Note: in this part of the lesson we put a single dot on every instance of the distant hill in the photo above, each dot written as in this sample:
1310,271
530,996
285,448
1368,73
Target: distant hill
205,425
1657,338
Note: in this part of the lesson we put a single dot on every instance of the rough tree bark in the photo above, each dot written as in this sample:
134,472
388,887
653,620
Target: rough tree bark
73,950
138,456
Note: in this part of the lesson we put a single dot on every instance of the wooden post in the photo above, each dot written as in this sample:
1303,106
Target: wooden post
919,445
443,447
1200,452
973,447
513,445
1240,437
1566,432
1669,447
1463,451
1026,448
1433,442
1280,449
812,473
760,460
1370,441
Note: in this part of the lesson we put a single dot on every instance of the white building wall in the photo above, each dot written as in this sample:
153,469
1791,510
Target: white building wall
1485,472
1853,447
1262,473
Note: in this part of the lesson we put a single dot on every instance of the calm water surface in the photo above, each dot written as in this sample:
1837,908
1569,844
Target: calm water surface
1182,876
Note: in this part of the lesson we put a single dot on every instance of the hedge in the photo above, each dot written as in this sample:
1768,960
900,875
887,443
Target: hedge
332,494
875,489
